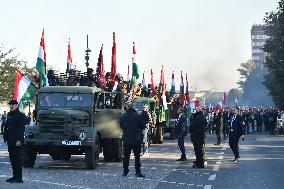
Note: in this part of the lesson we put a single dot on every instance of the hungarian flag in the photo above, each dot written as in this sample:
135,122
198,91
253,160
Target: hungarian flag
113,61
128,74
24,90
135,69
187,95
173,88
182,98
41,62
163,93
152,83
143,80
69,58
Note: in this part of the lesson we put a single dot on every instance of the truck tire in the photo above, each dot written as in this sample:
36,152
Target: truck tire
172,133
55,156
117,151
66,156
107,150
154,135
160,134
29,157
92,155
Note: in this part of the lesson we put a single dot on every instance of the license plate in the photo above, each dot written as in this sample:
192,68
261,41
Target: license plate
71,143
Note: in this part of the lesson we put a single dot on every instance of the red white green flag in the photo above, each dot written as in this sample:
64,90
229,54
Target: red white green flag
182,98
69,58
163,93
24,90
187,95
173,88
41,62
135,69
152,83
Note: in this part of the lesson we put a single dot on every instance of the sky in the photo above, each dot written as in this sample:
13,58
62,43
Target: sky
208,39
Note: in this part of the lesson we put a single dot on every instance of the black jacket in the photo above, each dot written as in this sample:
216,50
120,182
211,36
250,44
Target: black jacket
132,125
236,126
181,126
14,127
198,127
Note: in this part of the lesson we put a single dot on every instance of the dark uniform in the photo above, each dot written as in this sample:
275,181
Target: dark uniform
180,133
218,121
236,129
132,125
197,129
14,132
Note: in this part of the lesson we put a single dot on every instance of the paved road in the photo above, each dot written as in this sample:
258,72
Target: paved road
261,166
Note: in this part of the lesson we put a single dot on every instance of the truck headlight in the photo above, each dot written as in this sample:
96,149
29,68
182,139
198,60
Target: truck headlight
82,136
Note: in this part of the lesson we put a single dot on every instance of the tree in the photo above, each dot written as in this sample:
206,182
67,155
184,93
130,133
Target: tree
245,71
274,47
8,64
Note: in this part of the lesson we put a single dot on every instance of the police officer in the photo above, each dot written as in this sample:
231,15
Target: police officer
132,125
218,121
236,130
14,136
181,132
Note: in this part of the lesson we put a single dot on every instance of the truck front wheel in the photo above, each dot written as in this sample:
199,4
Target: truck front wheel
29,157
92,155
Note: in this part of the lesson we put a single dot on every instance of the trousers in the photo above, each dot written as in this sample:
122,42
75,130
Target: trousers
15,155
234,144
126,156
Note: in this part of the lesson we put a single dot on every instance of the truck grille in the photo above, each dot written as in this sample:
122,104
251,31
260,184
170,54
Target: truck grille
51,125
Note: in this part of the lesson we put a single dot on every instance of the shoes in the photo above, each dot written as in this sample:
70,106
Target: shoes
16,181
181,159
124,174
198,166
235,160
139,175
10,179
218,144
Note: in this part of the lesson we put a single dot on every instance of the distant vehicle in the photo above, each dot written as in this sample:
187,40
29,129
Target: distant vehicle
75,120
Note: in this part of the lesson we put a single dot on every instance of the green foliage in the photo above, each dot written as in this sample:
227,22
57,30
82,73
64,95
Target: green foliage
274,48
8,64
245,71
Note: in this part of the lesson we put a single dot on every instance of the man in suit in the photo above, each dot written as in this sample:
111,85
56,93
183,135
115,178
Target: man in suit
14,136
132,126
181,132
236,130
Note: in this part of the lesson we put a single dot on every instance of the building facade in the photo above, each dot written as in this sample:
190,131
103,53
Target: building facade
258,39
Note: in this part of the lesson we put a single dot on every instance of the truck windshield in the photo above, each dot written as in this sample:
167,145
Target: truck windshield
65,100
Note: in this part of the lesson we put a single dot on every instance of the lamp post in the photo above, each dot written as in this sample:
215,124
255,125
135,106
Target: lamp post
87,51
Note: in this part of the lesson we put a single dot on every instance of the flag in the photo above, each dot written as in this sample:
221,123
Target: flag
69,58
224,98
163,93
24,90
173,88
135,70
128,73
182,98
100,71
41,62
113,61
152,83
143,80
187,95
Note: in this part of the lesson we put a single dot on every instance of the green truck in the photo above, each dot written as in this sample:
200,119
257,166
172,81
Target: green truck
75,120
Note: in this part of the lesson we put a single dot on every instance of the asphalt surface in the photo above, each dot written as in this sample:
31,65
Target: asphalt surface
261,166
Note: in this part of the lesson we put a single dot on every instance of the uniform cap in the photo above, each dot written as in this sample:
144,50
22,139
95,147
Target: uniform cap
12,102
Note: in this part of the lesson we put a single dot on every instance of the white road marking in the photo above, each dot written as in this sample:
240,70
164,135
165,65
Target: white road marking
223,148
148,179
6,163
3,176
190,184
206,173
199,185
220,157
215,168
172,182
164,181
220,153
212,177
153,168
196,172
207,187
181,183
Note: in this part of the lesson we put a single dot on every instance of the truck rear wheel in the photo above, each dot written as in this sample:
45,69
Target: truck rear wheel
160,135
55,156
107,150
29,157
92,155
154,135
117,151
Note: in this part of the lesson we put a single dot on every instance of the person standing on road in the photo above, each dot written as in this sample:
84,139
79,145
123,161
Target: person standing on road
197,134
132,125
218,121
14,136
146,118
236,130
181,132
3,120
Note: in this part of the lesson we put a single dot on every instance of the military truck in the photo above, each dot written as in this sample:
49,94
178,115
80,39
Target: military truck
75,120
